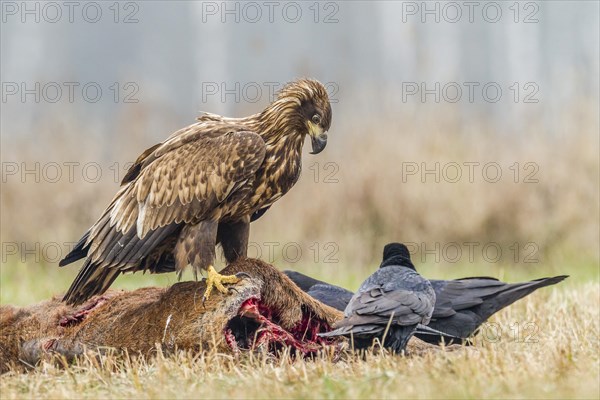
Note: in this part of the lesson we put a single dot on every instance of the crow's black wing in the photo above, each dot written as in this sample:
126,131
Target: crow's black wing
304,282
377,306
462,305
333,296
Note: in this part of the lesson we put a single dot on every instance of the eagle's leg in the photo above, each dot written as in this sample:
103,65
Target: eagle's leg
196,246
233,237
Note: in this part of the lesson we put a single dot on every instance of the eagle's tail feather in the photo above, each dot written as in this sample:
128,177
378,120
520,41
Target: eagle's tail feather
79,251
90,281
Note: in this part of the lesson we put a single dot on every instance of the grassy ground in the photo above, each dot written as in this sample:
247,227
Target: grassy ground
545,346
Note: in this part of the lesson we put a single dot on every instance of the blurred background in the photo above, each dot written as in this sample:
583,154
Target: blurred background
469,130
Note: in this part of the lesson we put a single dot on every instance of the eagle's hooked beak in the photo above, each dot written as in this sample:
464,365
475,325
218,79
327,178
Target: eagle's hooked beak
317,137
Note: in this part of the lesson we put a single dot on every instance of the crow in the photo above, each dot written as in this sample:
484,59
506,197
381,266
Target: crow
389,305
461,306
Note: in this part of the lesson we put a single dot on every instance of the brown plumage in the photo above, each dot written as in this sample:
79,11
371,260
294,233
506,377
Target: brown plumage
199,188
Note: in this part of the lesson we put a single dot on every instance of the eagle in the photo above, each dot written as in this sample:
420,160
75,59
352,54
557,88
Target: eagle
199,188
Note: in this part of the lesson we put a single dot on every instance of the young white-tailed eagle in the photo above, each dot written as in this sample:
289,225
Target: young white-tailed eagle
199,188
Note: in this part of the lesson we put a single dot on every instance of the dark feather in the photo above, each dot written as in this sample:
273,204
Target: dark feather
135,169
79,251
462,305
305,282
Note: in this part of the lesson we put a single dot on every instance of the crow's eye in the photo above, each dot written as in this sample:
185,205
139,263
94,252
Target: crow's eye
316,119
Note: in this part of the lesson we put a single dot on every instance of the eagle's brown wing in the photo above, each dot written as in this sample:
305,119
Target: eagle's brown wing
183,180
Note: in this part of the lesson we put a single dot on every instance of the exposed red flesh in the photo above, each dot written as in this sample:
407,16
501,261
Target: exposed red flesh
302,337
79,315
230,339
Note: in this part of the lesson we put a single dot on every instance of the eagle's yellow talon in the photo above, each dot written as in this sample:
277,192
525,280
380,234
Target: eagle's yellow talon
217,281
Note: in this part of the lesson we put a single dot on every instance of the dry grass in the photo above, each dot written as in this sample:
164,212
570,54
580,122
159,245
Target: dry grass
560,360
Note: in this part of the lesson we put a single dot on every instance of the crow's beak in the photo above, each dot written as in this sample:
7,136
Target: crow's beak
317,137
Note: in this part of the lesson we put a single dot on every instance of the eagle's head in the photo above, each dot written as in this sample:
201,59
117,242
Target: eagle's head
305,104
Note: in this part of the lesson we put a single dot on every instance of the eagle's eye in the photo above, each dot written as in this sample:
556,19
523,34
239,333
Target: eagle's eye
316,119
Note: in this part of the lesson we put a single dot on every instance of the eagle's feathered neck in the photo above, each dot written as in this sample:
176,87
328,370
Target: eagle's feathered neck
281,123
